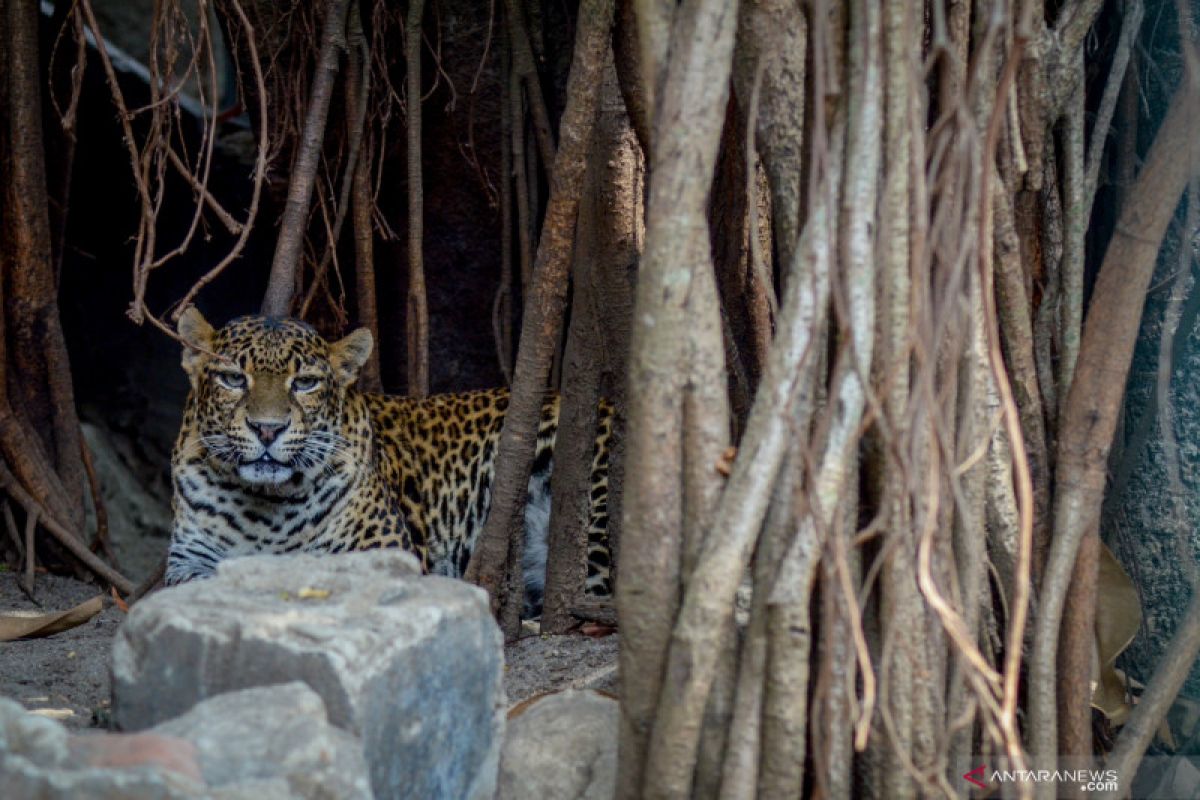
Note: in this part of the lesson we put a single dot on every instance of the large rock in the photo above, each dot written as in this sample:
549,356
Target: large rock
38,760
273,736
269,743
412,665
561,745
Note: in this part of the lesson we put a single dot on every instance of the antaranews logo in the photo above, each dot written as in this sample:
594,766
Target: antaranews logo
1088,780
976,776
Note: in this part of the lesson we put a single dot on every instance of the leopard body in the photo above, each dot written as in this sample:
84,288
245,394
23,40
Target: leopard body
279,453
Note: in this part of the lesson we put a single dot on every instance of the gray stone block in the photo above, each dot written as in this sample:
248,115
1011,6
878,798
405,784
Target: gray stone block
273,741
37,760
561,745
412,665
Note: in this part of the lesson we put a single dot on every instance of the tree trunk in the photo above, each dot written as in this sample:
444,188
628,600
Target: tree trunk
542,324
1090,412
39,381
607,245
417,318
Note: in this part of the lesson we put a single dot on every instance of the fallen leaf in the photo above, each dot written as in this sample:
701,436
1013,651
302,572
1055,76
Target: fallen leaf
1118,615
308,593
18,625
118,602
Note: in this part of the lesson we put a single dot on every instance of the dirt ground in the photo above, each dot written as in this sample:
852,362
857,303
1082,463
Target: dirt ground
66,676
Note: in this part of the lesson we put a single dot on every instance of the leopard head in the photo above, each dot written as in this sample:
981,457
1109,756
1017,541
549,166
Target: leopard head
269,394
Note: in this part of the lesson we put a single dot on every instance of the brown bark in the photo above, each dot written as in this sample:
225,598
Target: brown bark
570,483
285,266
626,56
744,304
654,21
417,317
521,180
502,311
899,656
594,355
357,93
524,66
1016,331
364,269
543,319
1092,406
66,79
65,537
673,290
39,380
706,438
773,37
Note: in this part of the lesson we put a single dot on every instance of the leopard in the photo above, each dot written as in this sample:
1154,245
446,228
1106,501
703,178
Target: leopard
280,452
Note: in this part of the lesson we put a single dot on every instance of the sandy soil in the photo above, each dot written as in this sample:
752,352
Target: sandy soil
67,672
67,675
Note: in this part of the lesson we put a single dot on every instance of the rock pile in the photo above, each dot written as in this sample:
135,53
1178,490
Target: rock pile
297,676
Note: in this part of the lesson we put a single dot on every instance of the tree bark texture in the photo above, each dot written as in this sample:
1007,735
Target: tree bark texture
675,289
597,346
543,320
39,378
417,317
1092,406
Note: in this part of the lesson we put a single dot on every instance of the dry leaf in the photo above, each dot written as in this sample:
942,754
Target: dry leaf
308,593
118,602
17,625
1118,616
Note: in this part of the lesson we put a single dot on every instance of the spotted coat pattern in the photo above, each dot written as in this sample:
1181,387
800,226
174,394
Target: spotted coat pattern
279,453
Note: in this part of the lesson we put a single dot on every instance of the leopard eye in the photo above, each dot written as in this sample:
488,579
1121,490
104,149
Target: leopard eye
234,381
305,384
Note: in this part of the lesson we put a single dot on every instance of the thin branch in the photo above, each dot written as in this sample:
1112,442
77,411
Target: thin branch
1131,23
1152,707
502,302
61,534
524,66
231,224
417,317
100,541
285,267
260,173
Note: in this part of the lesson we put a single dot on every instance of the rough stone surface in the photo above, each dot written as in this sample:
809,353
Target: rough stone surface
561,745
410,664
273,736
38,761
540,664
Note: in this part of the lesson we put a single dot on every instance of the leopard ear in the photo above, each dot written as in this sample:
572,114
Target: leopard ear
197,335
348,355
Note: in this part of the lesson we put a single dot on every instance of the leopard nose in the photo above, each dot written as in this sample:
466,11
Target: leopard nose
267,432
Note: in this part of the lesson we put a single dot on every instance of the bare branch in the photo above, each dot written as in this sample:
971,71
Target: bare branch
282,285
